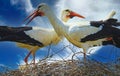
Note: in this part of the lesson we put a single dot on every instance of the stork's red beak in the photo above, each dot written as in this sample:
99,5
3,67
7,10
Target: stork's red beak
33,15
73,14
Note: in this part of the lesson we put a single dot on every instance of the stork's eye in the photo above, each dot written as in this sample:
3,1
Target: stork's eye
39,6
67,10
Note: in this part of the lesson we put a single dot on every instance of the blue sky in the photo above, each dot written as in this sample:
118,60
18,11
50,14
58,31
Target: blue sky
13,12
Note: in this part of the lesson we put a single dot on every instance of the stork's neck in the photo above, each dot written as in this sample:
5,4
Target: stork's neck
58,26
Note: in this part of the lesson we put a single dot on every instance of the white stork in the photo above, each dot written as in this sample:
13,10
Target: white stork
72,33
45,36
31,38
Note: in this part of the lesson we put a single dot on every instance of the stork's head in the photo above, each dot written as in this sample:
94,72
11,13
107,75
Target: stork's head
40,11
68,14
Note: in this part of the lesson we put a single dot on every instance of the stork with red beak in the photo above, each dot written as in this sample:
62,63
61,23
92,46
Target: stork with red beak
110,29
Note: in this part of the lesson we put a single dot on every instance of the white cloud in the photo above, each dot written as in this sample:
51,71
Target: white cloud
25,3
28,5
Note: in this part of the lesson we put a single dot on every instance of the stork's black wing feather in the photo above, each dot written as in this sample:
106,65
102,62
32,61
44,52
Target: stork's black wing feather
104,33
16,34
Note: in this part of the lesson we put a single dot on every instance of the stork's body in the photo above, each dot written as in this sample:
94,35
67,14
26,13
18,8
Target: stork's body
72,33
46,36
31,38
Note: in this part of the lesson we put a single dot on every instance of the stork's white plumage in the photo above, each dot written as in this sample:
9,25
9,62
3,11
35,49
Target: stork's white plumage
45,36
31,38
72,33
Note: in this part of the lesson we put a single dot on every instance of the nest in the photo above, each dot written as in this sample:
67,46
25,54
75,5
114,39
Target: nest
65,68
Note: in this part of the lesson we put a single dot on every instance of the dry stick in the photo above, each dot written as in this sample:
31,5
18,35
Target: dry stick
48,51
68,56
71,50
90,51
63,49
47,54
59,51
55,53
73,54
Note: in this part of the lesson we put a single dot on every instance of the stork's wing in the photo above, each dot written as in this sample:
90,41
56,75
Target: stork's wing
15,29
104,33
80,32
16,34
